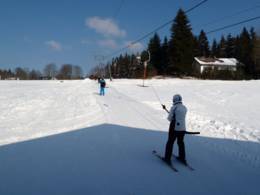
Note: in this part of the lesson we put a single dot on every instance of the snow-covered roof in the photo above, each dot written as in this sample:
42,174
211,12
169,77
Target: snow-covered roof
217,61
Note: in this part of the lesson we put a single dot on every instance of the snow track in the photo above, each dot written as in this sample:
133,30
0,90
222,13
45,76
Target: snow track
123,110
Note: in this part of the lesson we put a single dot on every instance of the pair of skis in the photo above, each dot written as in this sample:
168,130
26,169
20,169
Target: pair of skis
171,165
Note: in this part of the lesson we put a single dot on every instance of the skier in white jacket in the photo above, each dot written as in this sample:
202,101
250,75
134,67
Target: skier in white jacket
177,129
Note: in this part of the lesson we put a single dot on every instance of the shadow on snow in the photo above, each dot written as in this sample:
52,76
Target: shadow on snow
112,159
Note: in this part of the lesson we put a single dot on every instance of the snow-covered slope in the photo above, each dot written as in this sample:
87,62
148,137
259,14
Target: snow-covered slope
63,138
32,109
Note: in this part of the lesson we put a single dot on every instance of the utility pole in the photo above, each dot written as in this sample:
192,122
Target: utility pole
109,69
145,64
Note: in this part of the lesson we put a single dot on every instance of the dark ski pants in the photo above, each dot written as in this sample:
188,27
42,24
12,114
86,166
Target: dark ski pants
171,139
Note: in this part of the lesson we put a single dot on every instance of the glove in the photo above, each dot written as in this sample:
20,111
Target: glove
163,106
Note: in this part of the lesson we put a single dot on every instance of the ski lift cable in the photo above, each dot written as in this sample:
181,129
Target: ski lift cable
156,94
232,15
155,30
137,110
119,9
232,25
115,15
209,32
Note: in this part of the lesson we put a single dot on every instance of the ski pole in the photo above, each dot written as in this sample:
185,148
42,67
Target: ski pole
191,133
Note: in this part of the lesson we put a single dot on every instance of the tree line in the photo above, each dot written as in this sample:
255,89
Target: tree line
50,71
174,56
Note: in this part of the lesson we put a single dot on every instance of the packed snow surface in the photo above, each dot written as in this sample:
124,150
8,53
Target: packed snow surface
61,137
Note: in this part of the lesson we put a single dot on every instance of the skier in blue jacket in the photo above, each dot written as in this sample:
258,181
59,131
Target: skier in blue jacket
177,129
102,83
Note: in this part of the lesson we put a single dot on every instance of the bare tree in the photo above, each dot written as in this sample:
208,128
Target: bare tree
34,75
50,71
65,72
21,73
77,72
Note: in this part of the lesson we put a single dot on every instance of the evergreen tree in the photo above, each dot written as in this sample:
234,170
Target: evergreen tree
123,66
256,56
214,49
246,51
222,47
196,50
237,48
154,48
181,46
5,74
165,55
253,47
230,47
203,44
112,64
119,66
133,66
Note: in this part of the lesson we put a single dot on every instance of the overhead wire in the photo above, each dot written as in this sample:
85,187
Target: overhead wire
232,25
232,15
119,9
155,30
115,15
156,94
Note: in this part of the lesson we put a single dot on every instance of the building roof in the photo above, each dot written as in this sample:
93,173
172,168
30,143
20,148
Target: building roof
217,61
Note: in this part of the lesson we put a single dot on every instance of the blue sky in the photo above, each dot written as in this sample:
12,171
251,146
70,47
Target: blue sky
34,33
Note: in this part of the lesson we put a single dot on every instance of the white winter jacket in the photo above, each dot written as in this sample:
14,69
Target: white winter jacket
178,112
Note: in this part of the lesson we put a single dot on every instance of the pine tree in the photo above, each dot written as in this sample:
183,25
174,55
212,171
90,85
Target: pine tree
246,52
120,66
256,57
124,66
214,49
230,47
253,47
165,55
237,47
181,46
203,44
112,64
196,51
222,47
154,48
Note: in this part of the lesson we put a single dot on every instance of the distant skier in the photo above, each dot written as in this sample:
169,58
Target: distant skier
102,83
177,129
